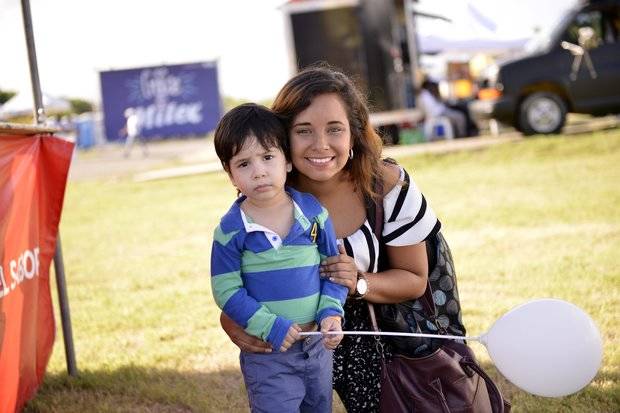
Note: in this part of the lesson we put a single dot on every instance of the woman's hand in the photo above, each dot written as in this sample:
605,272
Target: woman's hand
241,339
340,269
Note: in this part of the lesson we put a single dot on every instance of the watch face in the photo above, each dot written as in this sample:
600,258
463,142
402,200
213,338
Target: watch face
362,286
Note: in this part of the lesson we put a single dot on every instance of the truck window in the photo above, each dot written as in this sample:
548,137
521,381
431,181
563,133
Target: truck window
592,19
611,26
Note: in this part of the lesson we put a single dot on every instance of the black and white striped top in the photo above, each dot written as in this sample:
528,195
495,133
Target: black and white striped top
408,220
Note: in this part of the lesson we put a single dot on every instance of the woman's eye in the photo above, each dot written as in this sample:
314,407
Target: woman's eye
335,130
268,157
303,131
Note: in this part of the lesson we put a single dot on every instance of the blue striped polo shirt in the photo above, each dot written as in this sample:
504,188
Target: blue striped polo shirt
264,283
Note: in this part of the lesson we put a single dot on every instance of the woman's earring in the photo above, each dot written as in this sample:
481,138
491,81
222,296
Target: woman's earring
351,153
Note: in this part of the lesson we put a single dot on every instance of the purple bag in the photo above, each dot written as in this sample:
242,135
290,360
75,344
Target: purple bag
448,380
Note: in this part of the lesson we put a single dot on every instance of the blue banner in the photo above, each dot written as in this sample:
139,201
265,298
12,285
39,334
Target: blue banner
172,100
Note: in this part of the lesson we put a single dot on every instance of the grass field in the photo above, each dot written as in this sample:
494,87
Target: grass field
528,219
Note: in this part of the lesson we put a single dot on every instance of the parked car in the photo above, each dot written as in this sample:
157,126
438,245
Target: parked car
575,68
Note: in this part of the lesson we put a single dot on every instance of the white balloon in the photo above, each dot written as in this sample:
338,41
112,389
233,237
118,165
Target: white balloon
546,347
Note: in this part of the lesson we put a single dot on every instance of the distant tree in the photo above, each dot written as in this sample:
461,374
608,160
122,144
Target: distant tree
80,106
266,102
230,102
5,95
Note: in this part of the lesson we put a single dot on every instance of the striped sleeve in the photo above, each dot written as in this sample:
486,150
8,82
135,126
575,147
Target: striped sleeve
232,297
333,295
327,236
408,217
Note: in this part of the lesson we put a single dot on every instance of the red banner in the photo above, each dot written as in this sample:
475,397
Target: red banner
33,176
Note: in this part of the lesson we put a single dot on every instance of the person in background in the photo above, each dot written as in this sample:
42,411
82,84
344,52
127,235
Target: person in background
265,268
336,156
432,105
133,129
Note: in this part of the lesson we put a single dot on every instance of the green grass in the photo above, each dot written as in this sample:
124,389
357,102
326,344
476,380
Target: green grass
535,218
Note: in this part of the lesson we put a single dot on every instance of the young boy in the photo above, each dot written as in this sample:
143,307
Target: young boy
264,267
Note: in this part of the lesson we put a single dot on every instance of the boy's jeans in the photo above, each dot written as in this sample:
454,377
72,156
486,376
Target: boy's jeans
298,380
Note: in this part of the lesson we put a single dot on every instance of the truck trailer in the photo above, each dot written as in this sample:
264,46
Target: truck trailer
369,40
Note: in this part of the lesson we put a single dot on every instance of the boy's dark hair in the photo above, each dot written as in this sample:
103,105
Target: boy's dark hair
243,121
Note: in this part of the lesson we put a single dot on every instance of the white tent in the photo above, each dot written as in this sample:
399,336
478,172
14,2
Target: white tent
436,44
22,104
465,29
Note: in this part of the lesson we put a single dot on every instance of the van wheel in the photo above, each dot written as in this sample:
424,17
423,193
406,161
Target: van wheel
542,112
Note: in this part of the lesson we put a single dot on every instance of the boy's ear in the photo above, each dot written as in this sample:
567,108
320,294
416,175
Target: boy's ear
289,167
230,177
232,180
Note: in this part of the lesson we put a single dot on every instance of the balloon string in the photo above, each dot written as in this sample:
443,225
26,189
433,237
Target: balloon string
391,333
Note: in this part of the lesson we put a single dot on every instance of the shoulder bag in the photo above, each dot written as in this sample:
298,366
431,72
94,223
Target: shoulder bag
430,375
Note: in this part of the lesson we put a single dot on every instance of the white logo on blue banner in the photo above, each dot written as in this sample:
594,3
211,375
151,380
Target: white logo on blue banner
176,100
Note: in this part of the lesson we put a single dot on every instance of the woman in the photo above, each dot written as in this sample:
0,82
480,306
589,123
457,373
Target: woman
336,157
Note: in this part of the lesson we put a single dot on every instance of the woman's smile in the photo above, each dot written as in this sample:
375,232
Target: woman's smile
319,161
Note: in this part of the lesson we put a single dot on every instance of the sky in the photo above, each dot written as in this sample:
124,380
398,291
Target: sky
75,39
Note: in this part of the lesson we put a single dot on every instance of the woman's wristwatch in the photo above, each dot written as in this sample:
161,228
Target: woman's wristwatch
361,288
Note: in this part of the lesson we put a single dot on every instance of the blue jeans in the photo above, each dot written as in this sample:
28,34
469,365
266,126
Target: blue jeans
298,380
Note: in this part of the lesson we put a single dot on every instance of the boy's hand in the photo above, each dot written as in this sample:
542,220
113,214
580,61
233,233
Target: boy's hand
332,323
292,336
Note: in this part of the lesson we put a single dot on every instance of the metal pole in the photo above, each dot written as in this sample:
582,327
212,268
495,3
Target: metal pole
65,314
412,39
59,268
39,111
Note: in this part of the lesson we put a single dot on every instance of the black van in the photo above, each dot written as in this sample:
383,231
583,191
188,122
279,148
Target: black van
574,69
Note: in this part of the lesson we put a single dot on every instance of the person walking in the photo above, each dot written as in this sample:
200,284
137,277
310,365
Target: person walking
133,130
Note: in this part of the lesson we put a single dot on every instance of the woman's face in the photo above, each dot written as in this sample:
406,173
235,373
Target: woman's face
320,138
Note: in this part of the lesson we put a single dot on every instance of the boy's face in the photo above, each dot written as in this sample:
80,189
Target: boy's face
258,173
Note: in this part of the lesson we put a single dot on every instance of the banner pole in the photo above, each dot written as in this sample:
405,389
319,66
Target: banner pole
39,111
65,314
59,268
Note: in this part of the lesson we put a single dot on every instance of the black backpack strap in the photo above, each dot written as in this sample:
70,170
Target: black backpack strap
374,206
375,215
377,205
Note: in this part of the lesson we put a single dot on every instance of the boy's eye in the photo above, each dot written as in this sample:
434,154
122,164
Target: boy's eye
242,164
268,157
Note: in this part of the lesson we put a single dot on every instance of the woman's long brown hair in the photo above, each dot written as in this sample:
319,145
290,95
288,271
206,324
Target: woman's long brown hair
297,94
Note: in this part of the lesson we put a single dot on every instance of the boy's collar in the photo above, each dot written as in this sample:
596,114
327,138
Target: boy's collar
251,226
